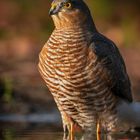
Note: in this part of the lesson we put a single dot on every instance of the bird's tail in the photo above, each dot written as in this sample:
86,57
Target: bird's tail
129,112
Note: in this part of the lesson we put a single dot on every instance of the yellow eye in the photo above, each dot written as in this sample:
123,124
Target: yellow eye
67,5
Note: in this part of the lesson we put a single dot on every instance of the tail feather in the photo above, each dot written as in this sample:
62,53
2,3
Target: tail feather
129,113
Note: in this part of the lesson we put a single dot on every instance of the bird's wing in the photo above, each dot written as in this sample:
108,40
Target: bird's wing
110,58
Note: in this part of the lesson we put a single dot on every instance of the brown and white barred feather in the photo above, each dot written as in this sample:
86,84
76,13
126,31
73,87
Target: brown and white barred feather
77,79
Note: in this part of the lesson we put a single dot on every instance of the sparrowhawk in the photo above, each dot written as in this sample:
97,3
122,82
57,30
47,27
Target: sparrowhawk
85,71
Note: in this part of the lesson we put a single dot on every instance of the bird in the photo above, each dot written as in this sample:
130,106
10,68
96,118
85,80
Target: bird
86,74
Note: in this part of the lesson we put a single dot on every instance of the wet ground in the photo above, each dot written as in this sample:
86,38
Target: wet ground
46,127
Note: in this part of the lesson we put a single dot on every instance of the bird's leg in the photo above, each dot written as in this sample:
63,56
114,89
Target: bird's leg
71,131
68,131
68,127
98,130
65,128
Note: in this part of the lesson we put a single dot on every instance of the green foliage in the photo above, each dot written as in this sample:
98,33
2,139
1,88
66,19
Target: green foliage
8,134
8,90
130,33
101,8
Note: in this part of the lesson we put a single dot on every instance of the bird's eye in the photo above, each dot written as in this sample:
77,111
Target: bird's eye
67,5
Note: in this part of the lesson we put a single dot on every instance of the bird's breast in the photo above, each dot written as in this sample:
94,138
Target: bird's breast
70,66
70,57
73,75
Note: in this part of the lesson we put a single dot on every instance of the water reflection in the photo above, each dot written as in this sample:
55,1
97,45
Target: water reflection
9,134
122,136
46,127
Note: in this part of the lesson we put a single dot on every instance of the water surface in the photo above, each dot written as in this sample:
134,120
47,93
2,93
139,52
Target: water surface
45,127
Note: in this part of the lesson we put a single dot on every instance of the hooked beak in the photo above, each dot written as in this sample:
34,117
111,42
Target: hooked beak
54,9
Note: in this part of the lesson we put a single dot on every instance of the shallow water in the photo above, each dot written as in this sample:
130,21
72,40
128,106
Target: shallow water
45,127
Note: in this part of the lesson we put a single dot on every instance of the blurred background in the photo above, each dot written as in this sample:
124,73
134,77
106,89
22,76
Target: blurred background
25,27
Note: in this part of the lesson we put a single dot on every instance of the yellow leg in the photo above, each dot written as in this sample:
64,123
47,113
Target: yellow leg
71,131
98,131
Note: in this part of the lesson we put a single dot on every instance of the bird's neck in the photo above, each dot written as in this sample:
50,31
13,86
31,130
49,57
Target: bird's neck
76,27
66,24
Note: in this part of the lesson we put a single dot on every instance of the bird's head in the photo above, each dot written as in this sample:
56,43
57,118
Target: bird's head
69,13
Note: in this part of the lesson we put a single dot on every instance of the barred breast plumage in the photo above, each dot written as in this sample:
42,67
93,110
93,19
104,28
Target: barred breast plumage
74,76
83,69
